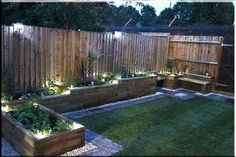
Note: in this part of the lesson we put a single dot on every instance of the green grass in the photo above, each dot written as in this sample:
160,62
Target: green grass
169,126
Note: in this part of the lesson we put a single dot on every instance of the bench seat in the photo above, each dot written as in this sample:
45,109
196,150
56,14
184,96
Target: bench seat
194,80
194,84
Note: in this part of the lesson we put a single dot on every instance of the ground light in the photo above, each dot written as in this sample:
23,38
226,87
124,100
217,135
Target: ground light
5,108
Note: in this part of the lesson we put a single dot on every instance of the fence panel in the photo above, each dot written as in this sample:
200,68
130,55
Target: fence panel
32,54
200,54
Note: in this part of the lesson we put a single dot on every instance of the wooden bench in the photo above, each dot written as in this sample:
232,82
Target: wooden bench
196,82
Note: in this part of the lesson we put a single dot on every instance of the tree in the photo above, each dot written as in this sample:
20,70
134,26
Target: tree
85,16
122,14
213,13
95,16
165,17
184,12
148,15
198,13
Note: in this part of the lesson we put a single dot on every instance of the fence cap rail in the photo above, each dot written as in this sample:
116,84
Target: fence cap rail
197,42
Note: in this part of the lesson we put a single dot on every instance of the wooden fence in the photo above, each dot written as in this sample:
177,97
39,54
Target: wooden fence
200,54
32,54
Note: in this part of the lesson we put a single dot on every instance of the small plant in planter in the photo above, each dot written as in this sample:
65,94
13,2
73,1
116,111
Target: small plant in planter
83,82
45,91
6,97
124,74
84,70
50,89
6,86
33,118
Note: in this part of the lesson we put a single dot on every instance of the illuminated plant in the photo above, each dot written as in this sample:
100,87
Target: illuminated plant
85,66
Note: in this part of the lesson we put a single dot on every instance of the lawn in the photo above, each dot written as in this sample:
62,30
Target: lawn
169,126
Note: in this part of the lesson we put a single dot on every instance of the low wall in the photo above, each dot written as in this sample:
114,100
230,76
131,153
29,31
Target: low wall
84,97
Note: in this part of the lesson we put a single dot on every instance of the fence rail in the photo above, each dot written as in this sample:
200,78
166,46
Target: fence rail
33,54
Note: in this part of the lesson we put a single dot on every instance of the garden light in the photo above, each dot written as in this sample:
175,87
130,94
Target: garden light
5,108
19,27
152,74
66,92
118,34
139,72
58,82
115,81
40,135
104,75
35,104
76,125
3,101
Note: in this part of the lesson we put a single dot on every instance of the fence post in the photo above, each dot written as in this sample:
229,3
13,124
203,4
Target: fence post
166,54
219,54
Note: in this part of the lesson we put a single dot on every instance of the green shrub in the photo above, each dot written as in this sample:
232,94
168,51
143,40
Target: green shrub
35,119
62,125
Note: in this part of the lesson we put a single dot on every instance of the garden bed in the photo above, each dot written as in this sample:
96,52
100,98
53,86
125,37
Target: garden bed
45,92
169,81
108,87
25,132
84,97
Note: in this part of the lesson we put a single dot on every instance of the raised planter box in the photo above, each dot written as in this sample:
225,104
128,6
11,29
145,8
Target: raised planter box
28,144
84,97
169,81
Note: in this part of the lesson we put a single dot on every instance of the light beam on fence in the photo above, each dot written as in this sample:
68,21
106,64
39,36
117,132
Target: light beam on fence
19,27
118,34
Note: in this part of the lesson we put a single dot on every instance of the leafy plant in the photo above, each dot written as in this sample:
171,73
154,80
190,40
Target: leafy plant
62,125
49,91
35,119
50,82
46,91
32,117
69,83
183,67
170,64
84,67
6,85
6,97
